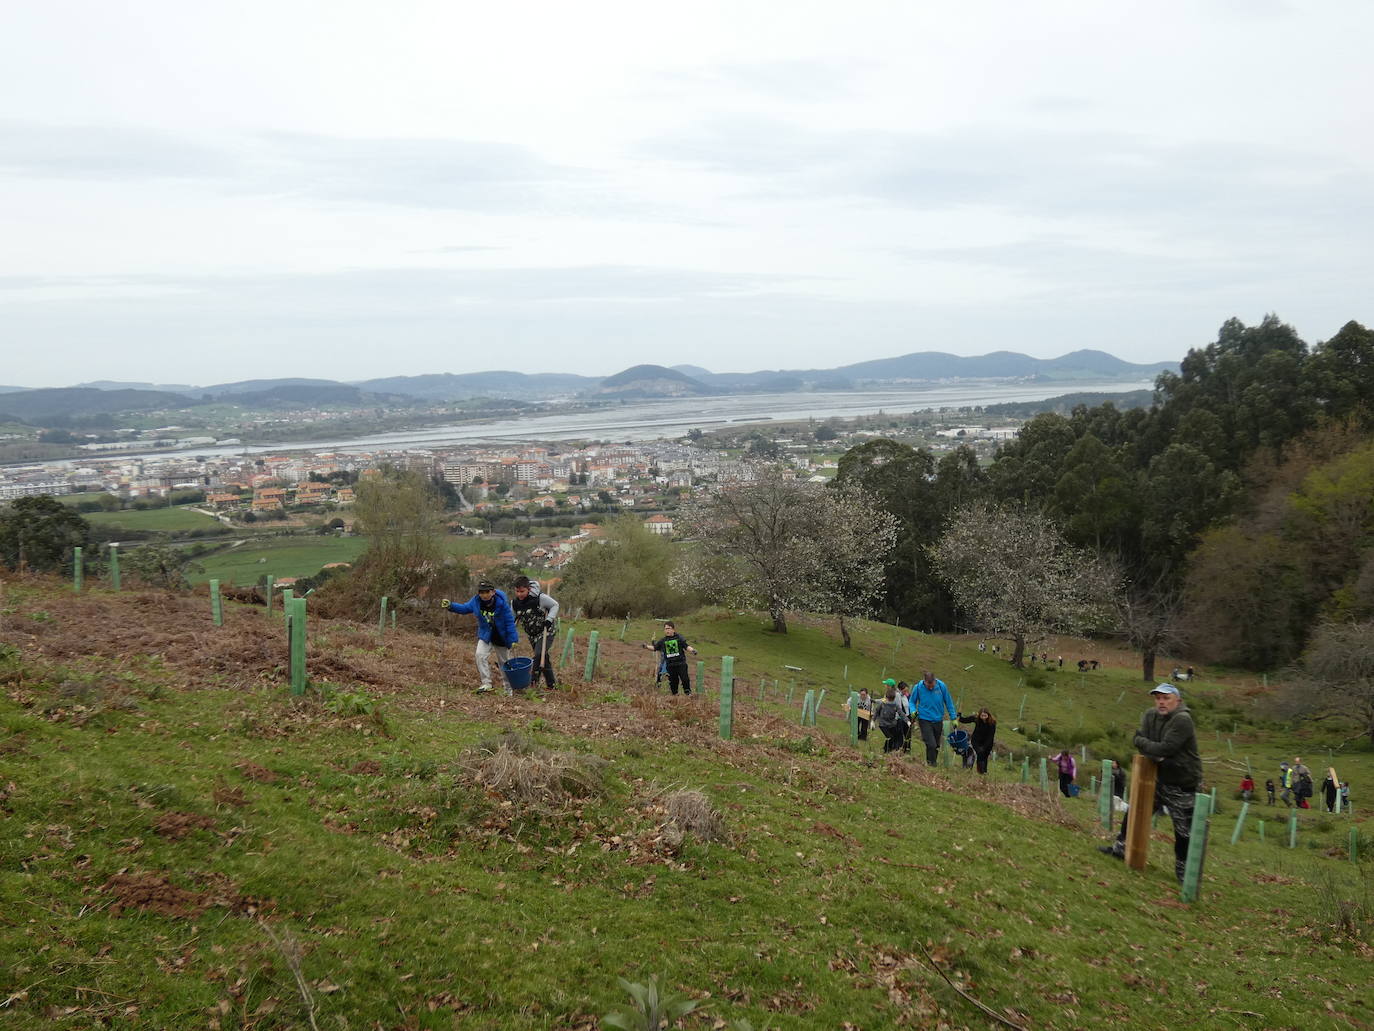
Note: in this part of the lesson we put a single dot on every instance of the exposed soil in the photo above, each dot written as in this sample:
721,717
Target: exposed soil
175,826
154,892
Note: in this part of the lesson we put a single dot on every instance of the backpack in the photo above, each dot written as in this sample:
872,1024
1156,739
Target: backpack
889,716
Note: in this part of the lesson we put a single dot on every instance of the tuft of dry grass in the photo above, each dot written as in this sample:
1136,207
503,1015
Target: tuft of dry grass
514,770
691,812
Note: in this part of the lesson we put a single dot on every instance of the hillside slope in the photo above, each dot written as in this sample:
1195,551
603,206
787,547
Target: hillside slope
186,845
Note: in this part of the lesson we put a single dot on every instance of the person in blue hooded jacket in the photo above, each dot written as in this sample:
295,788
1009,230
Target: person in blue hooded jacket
495,629
932,701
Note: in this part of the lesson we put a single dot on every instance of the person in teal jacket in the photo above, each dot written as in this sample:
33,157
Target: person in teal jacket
932,702
495,629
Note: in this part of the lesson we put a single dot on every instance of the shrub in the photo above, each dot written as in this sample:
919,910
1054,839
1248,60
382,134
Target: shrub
518,771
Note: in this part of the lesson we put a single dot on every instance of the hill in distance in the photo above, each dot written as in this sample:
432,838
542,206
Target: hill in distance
651,381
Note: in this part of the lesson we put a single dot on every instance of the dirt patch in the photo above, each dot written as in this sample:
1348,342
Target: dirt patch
366,768
152,892
175,826
225,795
261,774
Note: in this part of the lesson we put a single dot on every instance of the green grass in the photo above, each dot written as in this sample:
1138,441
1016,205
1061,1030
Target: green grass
407,897
159,519
278,557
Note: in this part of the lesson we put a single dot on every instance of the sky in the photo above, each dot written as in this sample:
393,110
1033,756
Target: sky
208,192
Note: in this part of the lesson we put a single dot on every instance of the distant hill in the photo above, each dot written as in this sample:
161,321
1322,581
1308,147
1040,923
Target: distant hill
456,387
651,381
1064,404
309,394
257,386
925,366
31,405
11,390
173,388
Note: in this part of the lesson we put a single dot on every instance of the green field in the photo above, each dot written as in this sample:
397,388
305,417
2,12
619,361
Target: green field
278,557
186,845
165,520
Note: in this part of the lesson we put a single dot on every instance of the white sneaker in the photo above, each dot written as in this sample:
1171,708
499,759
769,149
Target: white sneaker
484,689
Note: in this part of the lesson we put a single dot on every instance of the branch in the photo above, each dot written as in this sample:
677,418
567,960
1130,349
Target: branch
992,1013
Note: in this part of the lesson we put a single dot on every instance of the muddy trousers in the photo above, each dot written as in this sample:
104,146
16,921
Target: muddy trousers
1179,802
485,649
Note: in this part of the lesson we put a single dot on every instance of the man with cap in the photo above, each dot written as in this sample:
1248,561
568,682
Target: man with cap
932,702
495,629
1167,735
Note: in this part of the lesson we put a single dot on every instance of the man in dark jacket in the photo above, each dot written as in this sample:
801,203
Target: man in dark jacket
1167,736
495,629
537,615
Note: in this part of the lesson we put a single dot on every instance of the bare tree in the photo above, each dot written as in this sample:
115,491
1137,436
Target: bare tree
788,545
1149,617
1337,681
1014,576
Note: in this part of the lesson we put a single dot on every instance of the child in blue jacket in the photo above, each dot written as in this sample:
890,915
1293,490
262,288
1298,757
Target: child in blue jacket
495,630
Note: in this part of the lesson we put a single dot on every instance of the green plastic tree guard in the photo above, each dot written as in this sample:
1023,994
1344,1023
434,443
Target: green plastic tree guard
807,702
853,707
1044,774
271,583
623,627
1240,822
727,697
381,619
1104,797
1293,831
1261,829
298,646
216,605
1021,711
1025,770
1092,790
567,649
393,611
114,566
1197,847
590,670
78,570
815,709
286,596
1213,794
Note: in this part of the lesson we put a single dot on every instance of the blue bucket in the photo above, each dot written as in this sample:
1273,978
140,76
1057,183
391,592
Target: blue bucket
518,671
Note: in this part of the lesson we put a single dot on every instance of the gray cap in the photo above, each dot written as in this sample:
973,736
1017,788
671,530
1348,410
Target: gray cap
1164,689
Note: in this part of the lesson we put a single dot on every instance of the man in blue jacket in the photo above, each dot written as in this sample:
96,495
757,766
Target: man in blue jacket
495,629
932,701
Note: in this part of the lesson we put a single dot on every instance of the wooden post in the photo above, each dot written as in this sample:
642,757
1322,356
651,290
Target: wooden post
1197,847
1104,797
114,566
1144,772
298,646
1240,822
590,669
270,584
216,605
727,697
78,570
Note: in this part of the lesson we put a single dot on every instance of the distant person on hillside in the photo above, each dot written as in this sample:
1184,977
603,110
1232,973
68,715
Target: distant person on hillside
1269,789
1247,788
1286,784
537,614
892,719
981,737
1068,770
1118,781
1167,735
1329,790
675,649
932,702
904,696
496,633
1302,782
1345,796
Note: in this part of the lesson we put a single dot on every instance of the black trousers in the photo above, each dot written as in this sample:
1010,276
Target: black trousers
678,674
931,732
980,756
543,646
863,729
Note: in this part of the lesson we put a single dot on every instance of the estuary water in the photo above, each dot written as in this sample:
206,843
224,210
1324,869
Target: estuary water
672,417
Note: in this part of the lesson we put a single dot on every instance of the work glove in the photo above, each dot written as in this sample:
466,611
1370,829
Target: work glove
444,603
548,626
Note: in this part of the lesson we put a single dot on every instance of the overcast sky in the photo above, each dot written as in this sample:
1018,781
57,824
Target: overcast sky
204,192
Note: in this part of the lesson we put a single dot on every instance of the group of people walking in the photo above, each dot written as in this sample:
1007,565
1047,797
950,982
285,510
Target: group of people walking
905,711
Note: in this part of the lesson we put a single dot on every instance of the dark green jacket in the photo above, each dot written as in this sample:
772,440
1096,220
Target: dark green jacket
1172,741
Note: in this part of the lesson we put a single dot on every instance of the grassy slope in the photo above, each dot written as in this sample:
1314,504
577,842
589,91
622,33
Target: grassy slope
414,900
305,555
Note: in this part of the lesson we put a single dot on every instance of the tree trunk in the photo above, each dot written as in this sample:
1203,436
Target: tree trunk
844,633
1147,661
779,620
1020,651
